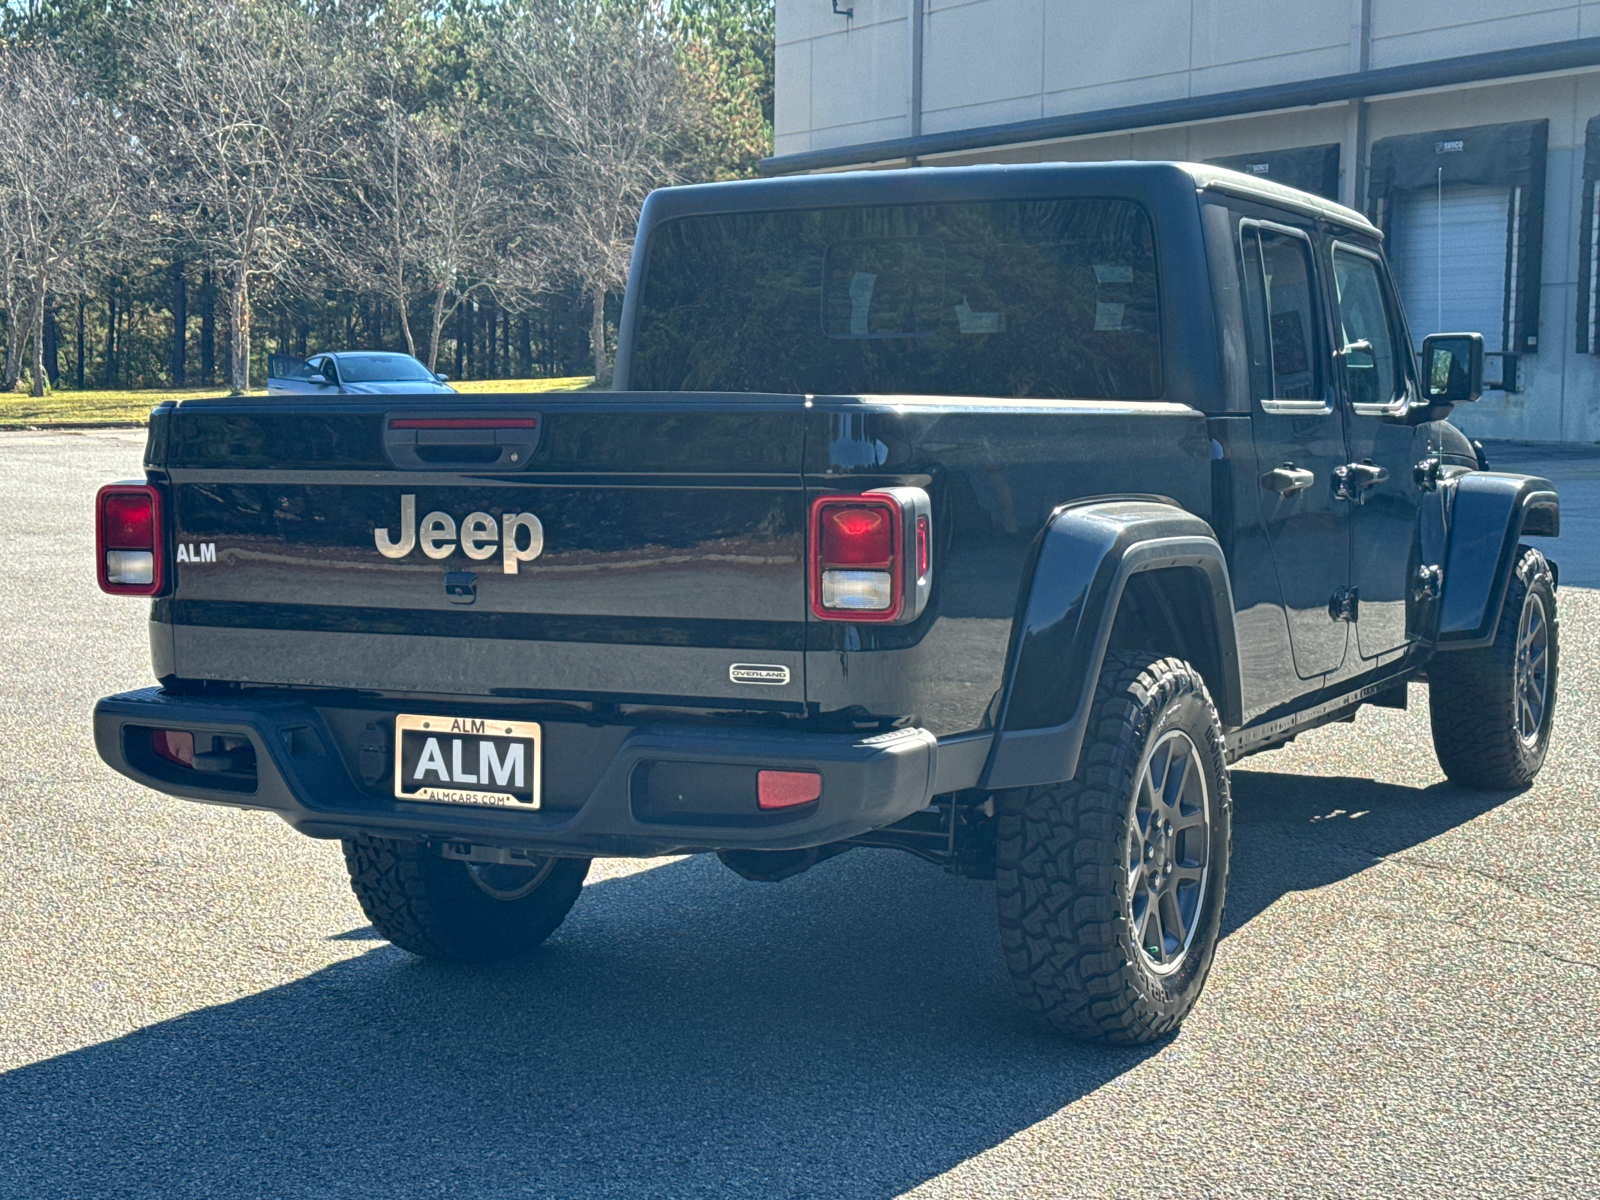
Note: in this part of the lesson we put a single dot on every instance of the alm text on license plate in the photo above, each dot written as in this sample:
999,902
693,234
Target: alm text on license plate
467,760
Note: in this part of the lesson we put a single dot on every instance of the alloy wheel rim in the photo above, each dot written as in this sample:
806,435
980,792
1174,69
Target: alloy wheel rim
1169,851
510,881
1533,669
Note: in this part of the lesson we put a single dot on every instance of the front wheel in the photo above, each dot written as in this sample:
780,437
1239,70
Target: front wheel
1111,885
462,912
1491,708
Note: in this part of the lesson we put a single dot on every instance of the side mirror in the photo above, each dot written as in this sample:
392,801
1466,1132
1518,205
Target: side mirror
442,378
1452,368
317,379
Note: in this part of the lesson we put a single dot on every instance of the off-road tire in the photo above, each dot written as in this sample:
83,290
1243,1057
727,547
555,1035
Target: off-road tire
1067,925
1472,694
433,907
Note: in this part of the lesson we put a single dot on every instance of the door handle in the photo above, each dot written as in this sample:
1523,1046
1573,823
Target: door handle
1287,479
1351,481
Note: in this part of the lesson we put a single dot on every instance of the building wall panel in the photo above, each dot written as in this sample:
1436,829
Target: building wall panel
798,20
792,81
976,54
1116,95
1277,68
1474,37
995,112
1227,32
859,78
1089,45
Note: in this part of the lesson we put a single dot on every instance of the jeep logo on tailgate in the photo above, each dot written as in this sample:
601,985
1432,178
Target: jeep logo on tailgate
481,536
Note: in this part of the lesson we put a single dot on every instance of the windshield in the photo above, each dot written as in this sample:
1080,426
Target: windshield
381,368
1042,298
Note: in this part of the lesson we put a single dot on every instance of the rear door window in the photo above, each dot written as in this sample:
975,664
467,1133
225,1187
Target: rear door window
1045,298
1281,318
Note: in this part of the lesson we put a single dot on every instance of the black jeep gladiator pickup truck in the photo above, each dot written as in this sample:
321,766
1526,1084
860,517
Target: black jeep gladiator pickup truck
984,513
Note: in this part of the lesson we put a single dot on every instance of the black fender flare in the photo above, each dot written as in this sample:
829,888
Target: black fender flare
1081,564
1490,512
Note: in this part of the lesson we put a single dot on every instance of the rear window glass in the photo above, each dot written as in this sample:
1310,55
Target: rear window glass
1048,299
381,368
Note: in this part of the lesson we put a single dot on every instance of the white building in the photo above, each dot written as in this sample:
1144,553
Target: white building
1468,129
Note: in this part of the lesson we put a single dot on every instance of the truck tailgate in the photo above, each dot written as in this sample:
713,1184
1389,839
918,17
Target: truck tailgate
362,544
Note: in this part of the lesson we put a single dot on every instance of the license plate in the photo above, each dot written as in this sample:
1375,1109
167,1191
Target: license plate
467,760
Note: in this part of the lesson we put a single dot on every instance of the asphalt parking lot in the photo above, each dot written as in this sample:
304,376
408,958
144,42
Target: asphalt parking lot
1407,999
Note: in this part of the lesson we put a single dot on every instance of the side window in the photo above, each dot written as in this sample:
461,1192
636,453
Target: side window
1374,371
329,371
1280,316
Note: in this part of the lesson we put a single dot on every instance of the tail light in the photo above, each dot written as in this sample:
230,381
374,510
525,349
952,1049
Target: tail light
130,549
871,555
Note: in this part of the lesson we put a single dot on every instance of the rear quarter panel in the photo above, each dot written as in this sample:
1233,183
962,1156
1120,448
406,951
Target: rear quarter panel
995,471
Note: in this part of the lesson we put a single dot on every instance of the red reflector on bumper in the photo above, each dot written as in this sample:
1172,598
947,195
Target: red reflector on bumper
174,745
787,789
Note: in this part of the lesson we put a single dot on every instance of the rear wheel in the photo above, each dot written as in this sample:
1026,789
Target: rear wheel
1492,708
1111,885
462,912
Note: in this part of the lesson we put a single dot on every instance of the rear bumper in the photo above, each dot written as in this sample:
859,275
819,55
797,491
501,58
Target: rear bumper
868,783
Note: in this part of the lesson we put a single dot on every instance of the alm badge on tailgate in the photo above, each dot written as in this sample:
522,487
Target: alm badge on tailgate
467,760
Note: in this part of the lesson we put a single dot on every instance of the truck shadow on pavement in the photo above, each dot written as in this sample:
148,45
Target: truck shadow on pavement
1294,833
848,1033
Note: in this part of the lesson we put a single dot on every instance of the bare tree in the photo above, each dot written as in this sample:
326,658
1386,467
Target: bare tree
613,119
423,213
64,193
371,243
461,211
13,306
242,100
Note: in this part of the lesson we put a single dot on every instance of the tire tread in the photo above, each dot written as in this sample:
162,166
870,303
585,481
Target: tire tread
1065,945
430,907
1471,702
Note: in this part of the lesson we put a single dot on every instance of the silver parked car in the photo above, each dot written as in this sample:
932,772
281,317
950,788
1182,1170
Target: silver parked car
352,373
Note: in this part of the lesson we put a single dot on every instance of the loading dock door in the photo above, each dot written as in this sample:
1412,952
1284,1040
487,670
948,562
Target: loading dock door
1470,249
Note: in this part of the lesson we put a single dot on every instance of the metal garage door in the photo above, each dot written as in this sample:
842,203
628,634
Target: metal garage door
1467,256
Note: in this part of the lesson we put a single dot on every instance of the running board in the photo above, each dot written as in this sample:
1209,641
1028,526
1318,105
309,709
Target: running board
1254,738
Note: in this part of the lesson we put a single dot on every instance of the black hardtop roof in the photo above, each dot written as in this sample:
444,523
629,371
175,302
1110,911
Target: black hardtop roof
1169,192
934,185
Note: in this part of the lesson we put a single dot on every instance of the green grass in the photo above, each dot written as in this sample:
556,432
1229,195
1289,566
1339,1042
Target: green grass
573,383
110,408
